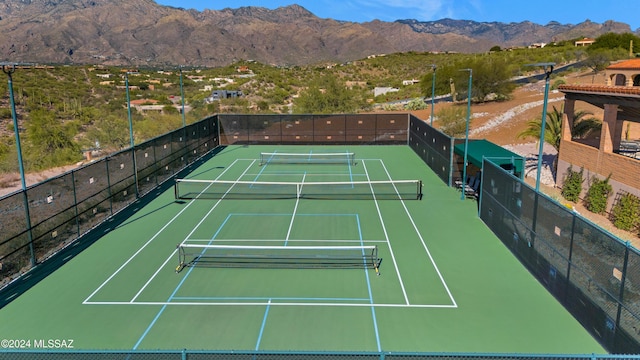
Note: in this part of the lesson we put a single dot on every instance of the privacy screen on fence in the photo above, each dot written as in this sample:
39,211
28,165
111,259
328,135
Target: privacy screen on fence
595,275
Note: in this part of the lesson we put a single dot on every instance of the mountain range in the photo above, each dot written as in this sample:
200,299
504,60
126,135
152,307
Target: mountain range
142,32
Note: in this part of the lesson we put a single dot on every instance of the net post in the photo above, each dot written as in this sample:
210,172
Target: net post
376,260
419,189
181,259
175,189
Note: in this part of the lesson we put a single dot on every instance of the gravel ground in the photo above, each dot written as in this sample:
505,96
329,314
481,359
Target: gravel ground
530,151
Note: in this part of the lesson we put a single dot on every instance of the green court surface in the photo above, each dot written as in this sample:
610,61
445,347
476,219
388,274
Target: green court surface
446,283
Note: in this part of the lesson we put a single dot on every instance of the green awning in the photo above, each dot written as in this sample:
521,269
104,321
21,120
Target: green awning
479,149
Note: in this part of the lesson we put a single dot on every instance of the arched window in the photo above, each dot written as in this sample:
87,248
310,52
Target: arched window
620,80
636,80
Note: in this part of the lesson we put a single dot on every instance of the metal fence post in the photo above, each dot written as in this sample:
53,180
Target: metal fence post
622,280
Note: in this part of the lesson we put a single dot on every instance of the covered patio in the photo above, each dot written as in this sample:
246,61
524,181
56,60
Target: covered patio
612,153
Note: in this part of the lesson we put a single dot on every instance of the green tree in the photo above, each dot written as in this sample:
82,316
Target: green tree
111,132
613,41
491,79
328,95
48,142
597,60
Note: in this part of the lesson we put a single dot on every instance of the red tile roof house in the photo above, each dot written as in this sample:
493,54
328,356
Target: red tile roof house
612,152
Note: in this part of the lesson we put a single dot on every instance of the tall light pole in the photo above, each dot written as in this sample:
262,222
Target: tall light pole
433,91
184,122
9,69
133,149
466,137
548,69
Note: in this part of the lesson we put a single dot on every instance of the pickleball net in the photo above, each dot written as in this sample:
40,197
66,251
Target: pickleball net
296,257
186,189
347,158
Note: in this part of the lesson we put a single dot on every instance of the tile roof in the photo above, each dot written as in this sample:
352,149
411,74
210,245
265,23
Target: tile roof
633,64
602,89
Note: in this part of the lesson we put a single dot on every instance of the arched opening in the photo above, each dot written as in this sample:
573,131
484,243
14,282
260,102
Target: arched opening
620,80
636,80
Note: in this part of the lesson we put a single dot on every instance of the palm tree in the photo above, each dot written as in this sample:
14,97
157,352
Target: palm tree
582,127
552,132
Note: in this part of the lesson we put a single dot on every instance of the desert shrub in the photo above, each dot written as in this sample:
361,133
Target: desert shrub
453,120
557,83
626,212
598,194
572,186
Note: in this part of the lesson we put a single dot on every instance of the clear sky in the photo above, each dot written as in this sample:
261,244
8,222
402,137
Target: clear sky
537,11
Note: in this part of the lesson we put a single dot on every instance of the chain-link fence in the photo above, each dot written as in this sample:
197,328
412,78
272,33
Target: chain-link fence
433,147
591,272
595,275
50,215
360,129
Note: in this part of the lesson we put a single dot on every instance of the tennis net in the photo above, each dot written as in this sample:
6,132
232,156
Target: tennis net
297,257
308,158
362,190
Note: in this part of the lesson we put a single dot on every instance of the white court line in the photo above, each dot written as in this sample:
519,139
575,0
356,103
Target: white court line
424,245
295,209
192,231
142,248
366,305
386,235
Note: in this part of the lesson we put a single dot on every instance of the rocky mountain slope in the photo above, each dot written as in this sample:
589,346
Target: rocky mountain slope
141,32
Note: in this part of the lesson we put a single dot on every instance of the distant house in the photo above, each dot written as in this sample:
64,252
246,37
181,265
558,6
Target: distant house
537,45
584,42
624,73
383,90
217,95
410,82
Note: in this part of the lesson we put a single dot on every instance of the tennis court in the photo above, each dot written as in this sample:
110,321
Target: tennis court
270,257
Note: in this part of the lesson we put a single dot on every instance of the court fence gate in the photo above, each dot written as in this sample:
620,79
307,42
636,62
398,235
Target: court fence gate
591,272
